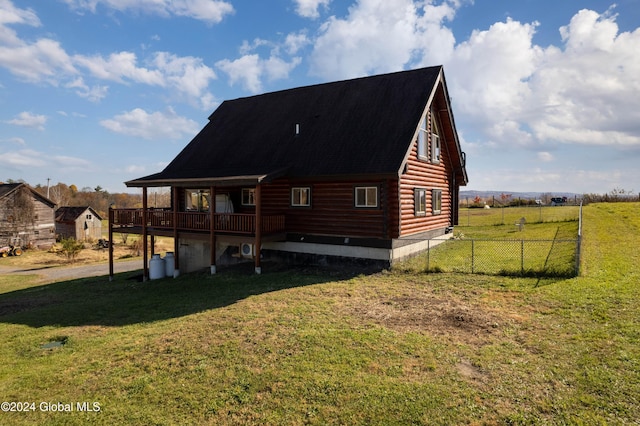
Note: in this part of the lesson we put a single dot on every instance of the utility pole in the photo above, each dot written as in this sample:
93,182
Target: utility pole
48,179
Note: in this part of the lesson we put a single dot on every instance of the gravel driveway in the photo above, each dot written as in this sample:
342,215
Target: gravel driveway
63,273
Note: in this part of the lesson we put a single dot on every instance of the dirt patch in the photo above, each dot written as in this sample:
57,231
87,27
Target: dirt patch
436,314
470,371
462,314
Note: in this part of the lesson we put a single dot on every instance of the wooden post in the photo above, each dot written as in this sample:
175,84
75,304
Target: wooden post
176,243
110,243
258,239
145,255
212,228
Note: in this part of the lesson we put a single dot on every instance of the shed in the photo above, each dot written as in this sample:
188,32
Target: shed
82,223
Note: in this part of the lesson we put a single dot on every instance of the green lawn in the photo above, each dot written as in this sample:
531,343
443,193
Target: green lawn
309,347
511,215
546,249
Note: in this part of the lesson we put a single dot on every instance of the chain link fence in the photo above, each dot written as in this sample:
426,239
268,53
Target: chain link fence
513,215
557,257
540,258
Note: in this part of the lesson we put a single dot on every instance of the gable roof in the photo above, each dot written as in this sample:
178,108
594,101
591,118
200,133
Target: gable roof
6,189
71,213
362,126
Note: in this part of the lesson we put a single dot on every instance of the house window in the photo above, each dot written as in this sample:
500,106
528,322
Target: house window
248,196
436,201
420,201
88,217
435,148
423,139
197,200
435,140
301,197
366,196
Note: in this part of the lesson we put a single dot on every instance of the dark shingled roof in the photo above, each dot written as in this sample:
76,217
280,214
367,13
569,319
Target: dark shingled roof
354,127
70,214
7,188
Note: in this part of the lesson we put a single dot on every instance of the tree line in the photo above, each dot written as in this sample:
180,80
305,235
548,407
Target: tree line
98,198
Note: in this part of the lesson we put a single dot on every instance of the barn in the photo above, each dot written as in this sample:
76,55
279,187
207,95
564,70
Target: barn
26,217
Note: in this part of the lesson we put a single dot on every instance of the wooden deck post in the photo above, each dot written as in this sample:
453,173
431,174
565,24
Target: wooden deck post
258,239
212,228
145,255
176,243
110,237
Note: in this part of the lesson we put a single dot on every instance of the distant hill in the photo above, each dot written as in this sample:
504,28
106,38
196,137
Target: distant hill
514,195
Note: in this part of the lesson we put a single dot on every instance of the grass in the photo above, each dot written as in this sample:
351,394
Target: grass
537,250
307,346
511,215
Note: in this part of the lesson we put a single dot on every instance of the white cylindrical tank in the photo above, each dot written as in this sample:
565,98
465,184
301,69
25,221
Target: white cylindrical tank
156,267
169,264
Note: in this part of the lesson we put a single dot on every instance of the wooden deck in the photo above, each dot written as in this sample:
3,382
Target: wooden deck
168,220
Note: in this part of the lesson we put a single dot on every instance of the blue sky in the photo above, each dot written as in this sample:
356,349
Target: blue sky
546,94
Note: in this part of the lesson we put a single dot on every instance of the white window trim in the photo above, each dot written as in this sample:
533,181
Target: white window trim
301,188
423,139
420,202
436,194
253,197
366,204
435,148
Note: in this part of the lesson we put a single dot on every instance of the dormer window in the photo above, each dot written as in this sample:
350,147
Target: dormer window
423,139
435,139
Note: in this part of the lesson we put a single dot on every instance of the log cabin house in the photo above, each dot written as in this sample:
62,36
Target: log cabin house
367,168
26,217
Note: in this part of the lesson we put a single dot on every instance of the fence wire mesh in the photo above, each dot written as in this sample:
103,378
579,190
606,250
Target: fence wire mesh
552,258
514,215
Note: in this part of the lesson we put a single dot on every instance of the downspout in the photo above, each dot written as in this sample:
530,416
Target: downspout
212,228
258,239
176,239
110,243
145,255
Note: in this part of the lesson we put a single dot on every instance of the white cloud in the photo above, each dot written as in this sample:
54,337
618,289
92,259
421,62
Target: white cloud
155,125
309,8
210,11
134,169
587,92
186,74
93,94
377,36
71,163
545,156
44,60
248,70
119,67
15,141
23,158
27,119
9,14
294,42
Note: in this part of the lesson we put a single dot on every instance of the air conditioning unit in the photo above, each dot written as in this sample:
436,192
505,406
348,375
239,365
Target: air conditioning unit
247,250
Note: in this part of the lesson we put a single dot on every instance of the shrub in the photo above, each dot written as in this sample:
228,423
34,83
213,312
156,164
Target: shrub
70,248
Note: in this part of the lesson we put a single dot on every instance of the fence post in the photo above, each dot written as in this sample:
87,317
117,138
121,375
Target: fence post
521,257
429,255
579,240
472,256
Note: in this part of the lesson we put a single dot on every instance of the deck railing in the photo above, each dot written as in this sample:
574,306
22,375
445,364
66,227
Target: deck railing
236,223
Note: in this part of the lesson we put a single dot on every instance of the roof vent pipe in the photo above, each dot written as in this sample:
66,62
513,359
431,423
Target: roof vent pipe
297,129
